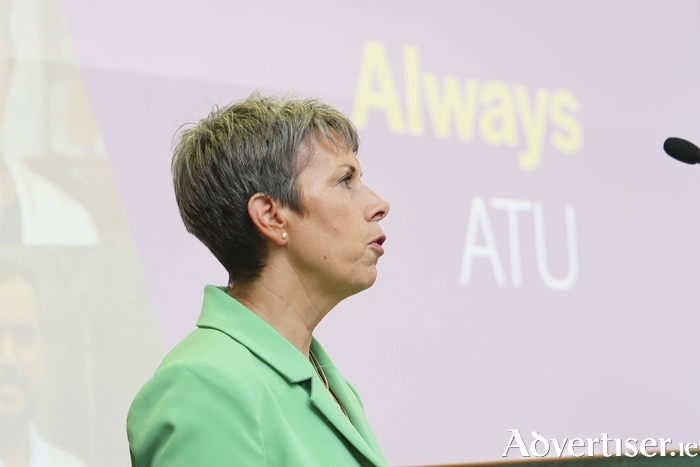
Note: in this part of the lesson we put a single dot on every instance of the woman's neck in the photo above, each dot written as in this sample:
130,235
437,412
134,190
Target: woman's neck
281,300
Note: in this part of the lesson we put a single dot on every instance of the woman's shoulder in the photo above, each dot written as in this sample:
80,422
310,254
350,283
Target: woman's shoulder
206,364
211,347
207,360
203,403
214,356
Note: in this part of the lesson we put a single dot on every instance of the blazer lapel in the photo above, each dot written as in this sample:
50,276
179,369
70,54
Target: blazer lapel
356,429
323,401
354,410
222,312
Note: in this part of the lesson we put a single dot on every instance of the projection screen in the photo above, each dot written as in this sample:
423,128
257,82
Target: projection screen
542,260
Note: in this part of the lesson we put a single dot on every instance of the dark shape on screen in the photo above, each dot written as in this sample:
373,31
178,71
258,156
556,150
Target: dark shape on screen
682,150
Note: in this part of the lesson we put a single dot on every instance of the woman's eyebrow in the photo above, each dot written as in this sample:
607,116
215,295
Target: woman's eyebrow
350,167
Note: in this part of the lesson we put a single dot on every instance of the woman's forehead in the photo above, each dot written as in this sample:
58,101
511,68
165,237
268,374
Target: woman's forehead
327,156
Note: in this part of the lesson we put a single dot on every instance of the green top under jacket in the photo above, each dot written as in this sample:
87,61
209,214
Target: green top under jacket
237,393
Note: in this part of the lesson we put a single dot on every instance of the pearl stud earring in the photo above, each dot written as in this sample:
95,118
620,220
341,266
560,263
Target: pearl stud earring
284,235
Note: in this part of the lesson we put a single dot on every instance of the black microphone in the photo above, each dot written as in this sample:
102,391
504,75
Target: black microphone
682,150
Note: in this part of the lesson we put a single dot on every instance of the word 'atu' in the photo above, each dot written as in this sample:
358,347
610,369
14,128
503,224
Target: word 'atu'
479,223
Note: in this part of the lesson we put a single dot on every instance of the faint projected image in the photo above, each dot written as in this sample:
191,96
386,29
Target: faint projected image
33,211
22,372
88,336
33,125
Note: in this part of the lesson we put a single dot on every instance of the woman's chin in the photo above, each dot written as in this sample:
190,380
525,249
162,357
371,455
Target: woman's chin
364,283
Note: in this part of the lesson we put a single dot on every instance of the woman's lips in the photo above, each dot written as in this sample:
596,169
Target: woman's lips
377,244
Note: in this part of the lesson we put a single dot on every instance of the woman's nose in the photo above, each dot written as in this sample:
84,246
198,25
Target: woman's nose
378,208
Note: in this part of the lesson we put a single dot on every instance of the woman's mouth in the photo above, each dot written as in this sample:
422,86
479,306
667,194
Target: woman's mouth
377,244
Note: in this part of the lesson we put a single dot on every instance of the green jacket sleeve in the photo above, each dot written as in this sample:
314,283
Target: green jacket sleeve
191,413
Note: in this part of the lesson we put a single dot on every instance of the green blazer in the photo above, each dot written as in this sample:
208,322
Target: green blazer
237,393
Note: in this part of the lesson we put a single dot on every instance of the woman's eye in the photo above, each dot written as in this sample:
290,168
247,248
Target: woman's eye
346,180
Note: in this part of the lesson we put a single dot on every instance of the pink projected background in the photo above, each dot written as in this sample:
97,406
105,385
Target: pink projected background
542,263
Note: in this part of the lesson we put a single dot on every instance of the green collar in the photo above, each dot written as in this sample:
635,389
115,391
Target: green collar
222,312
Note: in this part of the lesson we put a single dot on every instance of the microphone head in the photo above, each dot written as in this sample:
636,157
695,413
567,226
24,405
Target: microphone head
682,150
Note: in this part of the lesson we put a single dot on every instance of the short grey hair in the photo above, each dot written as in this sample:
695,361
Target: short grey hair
257,145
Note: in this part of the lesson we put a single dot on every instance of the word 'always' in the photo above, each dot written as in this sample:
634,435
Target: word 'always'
496,109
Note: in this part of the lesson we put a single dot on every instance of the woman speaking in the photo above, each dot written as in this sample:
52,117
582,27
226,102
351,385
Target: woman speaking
272,186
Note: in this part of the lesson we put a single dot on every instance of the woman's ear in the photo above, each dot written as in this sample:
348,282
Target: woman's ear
268,216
